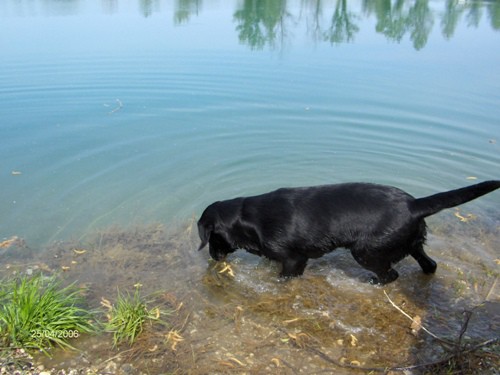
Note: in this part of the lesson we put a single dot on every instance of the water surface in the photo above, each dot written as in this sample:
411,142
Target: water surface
139,111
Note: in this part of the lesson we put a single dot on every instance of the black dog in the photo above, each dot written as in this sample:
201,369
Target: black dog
379,224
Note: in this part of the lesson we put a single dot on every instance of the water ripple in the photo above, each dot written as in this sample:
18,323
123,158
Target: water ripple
160,136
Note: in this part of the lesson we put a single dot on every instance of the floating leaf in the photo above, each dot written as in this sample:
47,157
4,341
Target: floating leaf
8,243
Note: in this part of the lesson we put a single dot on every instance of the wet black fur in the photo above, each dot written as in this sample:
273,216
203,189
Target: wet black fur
379,224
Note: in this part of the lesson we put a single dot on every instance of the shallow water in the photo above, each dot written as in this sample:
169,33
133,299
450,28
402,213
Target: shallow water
254,322
115,136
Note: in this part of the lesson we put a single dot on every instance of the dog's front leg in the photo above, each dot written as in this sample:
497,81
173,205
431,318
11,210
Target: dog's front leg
293,266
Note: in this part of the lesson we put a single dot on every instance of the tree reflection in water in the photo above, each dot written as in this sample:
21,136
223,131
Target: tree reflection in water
263,23
394,20
271,23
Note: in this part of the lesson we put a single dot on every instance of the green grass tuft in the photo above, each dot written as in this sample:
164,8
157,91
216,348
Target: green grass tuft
36,313
127,317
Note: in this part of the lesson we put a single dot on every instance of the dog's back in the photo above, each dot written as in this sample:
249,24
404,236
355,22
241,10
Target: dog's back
321,218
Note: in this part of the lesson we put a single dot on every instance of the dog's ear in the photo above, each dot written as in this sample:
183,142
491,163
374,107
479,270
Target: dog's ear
204,232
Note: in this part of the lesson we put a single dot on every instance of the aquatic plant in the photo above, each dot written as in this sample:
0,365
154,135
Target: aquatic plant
37,312
127,317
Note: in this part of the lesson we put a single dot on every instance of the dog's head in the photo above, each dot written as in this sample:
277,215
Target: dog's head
213,229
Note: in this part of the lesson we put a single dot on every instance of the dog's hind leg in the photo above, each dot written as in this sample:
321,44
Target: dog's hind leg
428,265
417,250
293,266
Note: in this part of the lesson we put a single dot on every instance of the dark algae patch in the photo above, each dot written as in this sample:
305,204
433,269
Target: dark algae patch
238,317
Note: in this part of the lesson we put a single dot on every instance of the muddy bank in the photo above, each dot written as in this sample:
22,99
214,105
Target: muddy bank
244,319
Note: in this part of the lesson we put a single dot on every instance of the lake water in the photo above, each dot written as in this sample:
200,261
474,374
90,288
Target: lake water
121,120
120,112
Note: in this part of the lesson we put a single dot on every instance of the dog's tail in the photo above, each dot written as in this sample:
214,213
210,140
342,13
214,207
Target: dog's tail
432,204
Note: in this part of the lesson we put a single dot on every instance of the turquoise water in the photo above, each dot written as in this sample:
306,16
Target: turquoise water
132,112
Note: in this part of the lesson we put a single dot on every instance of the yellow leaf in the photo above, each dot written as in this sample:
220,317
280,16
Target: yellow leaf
174,337
237,361
105,303
465,219
227,268
354,340
276,361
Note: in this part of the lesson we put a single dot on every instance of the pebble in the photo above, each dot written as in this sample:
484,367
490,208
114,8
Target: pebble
128,369
111,367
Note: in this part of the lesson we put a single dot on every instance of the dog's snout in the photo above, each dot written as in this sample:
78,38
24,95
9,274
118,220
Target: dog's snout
217,255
